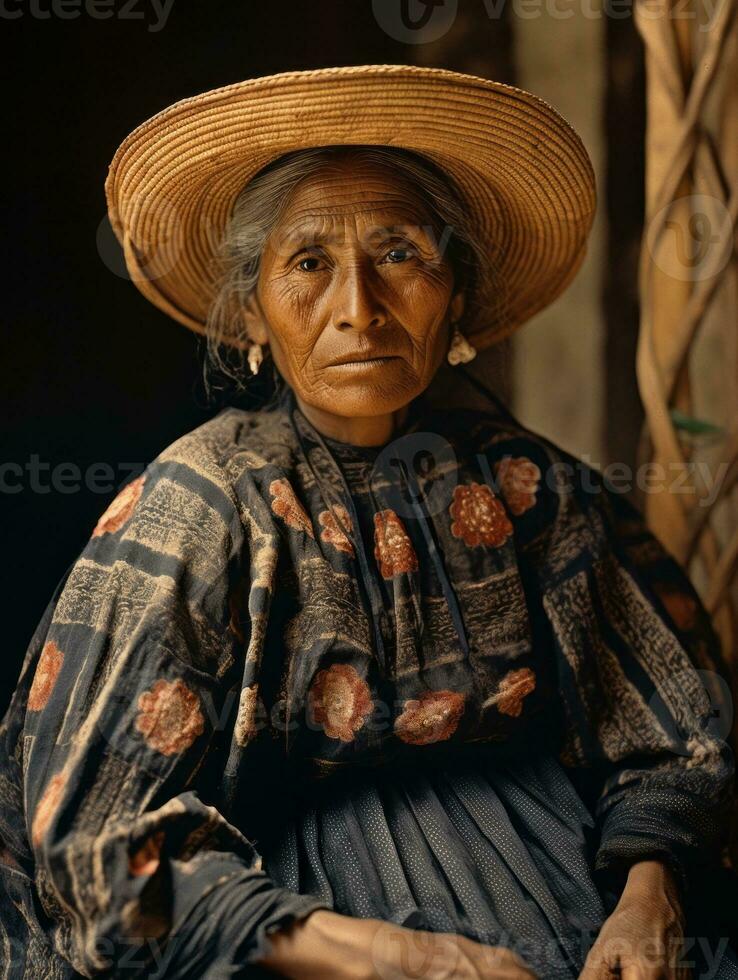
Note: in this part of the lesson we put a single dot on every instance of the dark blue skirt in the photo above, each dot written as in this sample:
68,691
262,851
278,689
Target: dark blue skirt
501,855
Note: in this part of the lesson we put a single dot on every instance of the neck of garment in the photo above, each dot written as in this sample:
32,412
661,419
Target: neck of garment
360,463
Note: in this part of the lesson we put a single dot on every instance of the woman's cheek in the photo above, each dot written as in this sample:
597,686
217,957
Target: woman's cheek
292,294
425,291
291,310
424,315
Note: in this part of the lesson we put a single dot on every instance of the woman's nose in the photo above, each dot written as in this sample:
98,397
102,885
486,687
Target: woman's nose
357,303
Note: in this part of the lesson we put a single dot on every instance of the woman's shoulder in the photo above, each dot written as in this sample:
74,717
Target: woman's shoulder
499,435
191,495
211,460
233,438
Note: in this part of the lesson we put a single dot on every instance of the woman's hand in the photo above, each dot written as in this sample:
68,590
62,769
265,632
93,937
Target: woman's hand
326,944
642,938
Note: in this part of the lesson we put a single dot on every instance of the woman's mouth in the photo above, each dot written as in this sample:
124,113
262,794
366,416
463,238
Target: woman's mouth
365,362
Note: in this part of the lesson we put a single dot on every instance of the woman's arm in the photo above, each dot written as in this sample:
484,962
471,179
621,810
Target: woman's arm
666,771
130,692
326,944
637,720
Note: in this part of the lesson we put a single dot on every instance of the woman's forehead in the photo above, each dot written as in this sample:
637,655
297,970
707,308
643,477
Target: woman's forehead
331,221
329,226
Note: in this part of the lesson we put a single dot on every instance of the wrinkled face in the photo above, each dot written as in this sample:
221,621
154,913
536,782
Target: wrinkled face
355,294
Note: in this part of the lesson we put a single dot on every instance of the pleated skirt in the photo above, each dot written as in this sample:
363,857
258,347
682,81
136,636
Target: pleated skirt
497,855
500,855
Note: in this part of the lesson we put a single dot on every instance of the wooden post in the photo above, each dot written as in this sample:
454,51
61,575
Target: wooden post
687,352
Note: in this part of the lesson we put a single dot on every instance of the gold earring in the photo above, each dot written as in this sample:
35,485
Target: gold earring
255,357
460,351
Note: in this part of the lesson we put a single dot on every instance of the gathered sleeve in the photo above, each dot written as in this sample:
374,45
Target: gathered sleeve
135,687
635,658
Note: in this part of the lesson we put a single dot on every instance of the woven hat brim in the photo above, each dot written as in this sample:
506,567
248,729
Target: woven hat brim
521,169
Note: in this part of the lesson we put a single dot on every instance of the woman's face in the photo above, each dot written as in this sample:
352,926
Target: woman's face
355,295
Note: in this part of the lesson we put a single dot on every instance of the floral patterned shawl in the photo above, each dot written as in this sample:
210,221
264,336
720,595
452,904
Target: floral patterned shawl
222,638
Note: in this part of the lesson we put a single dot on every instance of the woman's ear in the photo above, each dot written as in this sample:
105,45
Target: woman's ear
457,305
254,320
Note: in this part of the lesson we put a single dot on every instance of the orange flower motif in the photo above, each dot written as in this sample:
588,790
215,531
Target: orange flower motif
47,807
332,532
518,478
169,716
49,664
478,516
393,548
288,507
146,859
514,687
121,508
340,700
432,717
680,606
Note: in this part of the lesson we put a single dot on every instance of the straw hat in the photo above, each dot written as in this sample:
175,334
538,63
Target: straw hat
521,169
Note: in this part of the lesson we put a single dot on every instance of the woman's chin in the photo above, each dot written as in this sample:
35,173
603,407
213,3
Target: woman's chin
367,398
389,374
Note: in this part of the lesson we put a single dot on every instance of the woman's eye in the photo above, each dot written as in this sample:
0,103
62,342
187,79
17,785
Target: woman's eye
308,258
400,252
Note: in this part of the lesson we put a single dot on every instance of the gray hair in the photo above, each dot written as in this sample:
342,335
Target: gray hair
258,210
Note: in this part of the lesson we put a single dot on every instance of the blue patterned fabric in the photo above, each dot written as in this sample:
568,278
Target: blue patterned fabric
451,682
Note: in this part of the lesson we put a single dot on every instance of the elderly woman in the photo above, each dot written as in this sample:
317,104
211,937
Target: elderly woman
351,684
